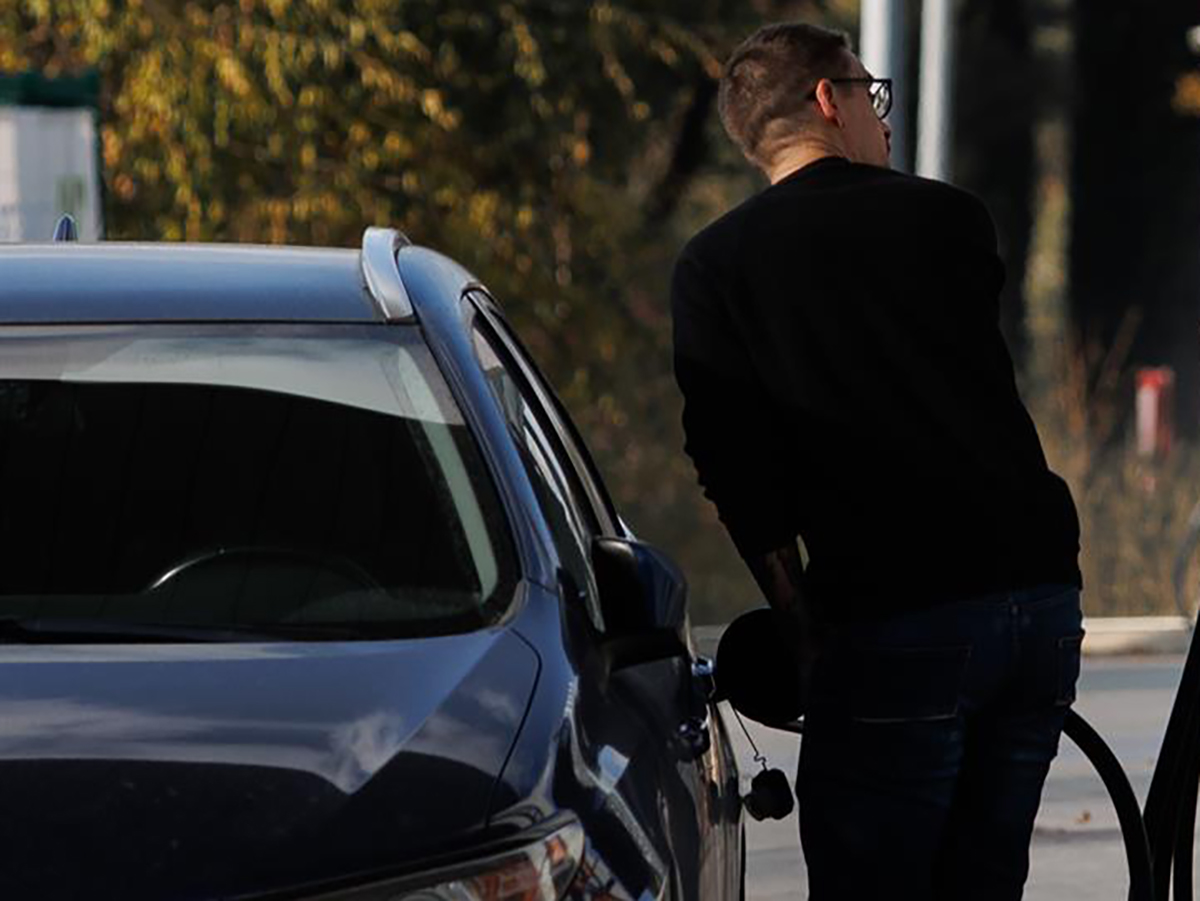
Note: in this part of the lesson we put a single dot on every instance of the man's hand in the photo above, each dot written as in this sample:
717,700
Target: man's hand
780,575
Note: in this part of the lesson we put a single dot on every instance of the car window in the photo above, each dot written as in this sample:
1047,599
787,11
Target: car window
585,478
243,476
570,523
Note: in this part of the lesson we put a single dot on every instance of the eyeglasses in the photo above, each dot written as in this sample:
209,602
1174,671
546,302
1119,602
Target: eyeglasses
880,90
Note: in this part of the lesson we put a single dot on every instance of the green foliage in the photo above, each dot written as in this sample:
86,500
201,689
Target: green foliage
303,120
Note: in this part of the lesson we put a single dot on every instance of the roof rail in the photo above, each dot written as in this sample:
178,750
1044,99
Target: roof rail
65,229
382,275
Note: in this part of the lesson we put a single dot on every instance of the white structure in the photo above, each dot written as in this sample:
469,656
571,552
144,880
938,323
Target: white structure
934,112
882,48
48,166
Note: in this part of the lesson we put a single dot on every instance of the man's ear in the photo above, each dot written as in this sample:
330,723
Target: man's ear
827,103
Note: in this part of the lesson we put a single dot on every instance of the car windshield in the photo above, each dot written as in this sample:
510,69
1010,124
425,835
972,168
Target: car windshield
161,482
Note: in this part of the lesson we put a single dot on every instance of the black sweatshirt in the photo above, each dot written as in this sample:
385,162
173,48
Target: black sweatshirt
845,380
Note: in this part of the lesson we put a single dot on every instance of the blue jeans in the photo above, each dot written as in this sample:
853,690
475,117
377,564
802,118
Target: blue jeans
926,743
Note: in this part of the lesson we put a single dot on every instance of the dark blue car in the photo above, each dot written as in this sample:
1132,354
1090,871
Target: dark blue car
309,589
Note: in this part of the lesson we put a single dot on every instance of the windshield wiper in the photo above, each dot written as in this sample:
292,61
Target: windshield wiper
34,630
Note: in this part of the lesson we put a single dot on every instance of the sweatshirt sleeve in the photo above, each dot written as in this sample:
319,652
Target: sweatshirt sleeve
732,428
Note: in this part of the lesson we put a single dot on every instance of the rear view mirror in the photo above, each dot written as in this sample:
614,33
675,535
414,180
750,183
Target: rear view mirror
643,598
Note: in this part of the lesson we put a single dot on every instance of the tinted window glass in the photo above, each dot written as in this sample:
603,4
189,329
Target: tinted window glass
547,471
590,495
147,486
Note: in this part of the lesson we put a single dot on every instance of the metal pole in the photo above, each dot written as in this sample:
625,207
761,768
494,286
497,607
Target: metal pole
882,46
935,112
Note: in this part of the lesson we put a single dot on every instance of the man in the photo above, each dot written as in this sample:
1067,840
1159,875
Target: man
845,381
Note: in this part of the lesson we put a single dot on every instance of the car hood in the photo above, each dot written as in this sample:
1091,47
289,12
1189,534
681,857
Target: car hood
216,770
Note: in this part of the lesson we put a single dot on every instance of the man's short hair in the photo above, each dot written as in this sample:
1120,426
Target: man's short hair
763,90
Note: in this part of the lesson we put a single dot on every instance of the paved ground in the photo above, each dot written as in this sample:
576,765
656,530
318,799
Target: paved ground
1077,851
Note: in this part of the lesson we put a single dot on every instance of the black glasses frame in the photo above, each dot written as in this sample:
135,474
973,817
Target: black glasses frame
881,97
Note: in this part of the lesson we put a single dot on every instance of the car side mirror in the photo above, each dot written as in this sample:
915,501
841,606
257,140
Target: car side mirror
643,598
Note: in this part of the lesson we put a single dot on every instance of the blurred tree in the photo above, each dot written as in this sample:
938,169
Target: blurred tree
996,96
1136,186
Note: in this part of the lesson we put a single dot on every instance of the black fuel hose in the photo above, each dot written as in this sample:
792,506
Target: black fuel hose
1170,812
1185,834
1129,812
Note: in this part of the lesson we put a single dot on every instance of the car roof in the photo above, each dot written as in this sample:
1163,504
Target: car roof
171,282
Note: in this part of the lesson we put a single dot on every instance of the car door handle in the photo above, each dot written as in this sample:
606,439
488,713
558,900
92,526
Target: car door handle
694,735
704,677
693,731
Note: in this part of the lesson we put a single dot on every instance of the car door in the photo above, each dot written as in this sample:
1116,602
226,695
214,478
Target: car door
694,782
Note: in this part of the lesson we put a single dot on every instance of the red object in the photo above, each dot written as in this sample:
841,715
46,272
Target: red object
1154,404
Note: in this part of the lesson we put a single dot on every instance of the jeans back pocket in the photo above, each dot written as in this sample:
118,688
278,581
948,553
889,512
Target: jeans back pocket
904,684
1067,659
